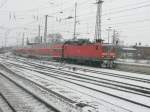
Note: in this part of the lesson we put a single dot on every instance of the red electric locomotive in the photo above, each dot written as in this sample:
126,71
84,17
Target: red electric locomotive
91,53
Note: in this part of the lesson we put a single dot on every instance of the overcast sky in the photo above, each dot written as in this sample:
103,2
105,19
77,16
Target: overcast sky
131,18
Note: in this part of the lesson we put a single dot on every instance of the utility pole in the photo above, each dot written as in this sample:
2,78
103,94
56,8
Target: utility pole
17,42
98,21
114,37
23,39
39,33
75,21
45,30
6,34
27,41
5,40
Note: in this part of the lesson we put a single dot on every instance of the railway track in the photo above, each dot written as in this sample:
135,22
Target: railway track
60,102
88,69
18,99
81,103
102,81
78,81
144,91
73,79
5,106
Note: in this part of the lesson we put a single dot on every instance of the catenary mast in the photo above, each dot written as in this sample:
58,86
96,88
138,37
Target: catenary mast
45,30
98,30
75,22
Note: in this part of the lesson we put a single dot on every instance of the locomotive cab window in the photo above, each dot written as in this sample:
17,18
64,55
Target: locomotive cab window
108,48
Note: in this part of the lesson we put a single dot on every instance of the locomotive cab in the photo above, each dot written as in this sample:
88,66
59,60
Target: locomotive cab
108,55
108,51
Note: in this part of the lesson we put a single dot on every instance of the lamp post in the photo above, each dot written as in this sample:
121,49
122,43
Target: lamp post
75,21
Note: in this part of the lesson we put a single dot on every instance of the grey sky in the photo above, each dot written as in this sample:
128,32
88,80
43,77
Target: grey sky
130,17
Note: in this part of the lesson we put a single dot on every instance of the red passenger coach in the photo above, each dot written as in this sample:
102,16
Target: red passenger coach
41,51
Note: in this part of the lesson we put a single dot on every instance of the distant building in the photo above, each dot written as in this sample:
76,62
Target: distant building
128,52
134,52
143,52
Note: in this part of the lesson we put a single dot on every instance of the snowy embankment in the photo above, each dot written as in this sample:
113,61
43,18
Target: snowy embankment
140,66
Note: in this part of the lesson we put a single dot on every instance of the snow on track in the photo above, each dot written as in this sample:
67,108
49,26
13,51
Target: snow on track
4,105
50,97
19,99
75,86
70,92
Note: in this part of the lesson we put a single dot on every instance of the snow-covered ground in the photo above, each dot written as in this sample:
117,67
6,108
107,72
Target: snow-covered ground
105,103
132,61
80,94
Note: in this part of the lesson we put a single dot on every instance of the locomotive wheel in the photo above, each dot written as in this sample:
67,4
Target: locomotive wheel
100,65
110,65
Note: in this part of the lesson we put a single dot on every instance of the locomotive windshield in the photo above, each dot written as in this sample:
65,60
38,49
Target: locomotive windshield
108,48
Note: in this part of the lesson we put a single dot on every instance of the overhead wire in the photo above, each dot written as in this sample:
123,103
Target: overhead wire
3,2
116,12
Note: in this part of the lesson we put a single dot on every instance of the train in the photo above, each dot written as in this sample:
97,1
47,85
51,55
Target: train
79,51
